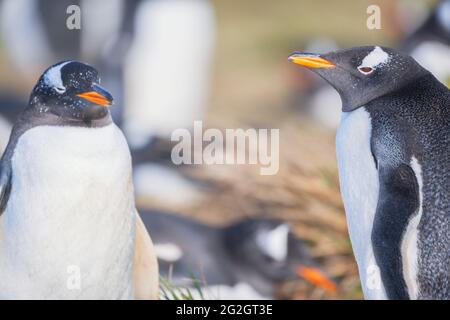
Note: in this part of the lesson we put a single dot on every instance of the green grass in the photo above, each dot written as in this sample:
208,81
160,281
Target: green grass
168,291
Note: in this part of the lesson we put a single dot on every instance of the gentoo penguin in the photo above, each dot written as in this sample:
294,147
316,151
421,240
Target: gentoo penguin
69,228
393,152
137,52
172,47
34,34
248,259
428,44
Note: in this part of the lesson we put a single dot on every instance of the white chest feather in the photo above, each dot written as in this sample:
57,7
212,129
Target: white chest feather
359,188
68,229
409,247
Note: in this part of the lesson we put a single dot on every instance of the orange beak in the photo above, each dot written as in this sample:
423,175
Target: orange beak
317,278
97,96
310,60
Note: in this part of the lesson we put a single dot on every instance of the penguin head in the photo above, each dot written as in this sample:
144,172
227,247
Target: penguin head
272,253
71,90
362,74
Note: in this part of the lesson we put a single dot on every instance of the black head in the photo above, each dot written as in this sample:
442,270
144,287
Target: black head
362,74
71,90
271,253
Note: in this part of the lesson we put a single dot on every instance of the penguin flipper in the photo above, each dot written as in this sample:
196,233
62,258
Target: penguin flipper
398,201
145,267
5,185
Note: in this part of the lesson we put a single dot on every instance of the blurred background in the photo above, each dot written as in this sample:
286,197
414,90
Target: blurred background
170,62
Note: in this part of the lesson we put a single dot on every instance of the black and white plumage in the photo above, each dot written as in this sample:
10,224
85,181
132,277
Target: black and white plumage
137,50
247,259
34,35
393,152
66,197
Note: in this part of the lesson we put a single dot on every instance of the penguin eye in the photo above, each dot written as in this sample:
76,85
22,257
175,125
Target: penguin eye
365,70
60,90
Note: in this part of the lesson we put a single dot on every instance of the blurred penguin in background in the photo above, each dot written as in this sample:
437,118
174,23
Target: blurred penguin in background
430,43
167,68
154,55
248,259
36,33
166,88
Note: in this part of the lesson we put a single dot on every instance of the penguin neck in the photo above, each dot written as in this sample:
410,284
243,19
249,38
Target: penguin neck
40,114
412,90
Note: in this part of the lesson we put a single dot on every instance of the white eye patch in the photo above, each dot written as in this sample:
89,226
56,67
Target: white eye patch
274,242
377,57
53,77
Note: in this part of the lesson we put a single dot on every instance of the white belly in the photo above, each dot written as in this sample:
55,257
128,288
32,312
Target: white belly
359,188
68,229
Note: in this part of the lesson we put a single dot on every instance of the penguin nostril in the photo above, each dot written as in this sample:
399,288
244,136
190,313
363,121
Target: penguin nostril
365,70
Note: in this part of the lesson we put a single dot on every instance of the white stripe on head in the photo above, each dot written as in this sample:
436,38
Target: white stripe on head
409,250
53,77
274,242
375,58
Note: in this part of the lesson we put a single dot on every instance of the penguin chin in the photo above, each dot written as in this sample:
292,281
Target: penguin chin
94,112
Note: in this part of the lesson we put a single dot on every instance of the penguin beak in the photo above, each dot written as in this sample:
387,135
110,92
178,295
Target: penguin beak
310,60
317,278
98,96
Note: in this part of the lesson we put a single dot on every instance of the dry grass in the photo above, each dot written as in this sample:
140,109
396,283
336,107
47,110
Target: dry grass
305,192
